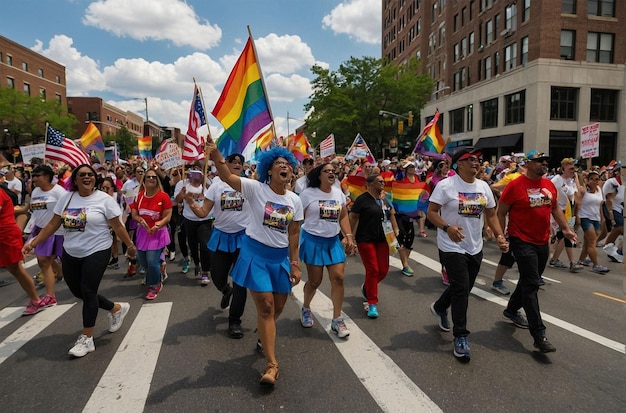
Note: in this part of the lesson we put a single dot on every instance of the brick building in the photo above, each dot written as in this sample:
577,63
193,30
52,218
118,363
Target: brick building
515,75
107,118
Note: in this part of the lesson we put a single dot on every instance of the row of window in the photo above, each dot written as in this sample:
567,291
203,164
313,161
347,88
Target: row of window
8,59
26,88
600,46
603,8
563,106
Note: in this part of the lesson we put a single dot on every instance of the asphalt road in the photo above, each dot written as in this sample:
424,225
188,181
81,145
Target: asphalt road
174,354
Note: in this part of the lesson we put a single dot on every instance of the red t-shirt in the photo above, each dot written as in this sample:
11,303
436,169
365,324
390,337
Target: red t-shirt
531,206
151,209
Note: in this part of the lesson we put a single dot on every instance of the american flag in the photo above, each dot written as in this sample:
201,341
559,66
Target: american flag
327,146
192,147
59,148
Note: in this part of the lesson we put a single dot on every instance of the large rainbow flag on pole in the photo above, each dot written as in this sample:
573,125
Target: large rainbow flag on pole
92,141
408,198
430,142
242,108
144,145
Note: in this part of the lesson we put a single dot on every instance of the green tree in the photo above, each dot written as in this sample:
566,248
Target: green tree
127,142
348,101
25,117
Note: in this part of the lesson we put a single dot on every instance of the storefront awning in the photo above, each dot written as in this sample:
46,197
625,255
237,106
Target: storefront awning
502,141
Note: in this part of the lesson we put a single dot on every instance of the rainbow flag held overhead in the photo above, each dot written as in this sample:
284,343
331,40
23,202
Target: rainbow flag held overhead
92,141
431,141
408,198
299,146
356,186
242,108
145,147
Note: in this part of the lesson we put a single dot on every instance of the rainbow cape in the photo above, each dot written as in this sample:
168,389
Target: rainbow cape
408,198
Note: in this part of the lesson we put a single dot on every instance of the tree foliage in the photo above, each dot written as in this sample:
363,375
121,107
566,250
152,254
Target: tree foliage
348,101
127,142
25,117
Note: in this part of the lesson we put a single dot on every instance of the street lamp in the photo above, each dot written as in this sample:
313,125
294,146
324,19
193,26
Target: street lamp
146,101
300,120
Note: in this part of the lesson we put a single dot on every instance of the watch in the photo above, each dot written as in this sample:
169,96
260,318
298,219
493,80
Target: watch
445,228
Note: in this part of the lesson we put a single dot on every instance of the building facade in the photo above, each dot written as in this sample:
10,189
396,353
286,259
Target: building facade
107,118
516,75
30,72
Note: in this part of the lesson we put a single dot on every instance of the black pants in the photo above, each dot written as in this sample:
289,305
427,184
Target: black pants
198,234
83,276
531,262
221,263
462,271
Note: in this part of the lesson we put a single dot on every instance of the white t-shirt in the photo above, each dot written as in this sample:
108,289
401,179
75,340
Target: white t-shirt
85,221
42,204
198,198
462,205
322,211
301,184
228,207
610,186
270,213
566,189
16,184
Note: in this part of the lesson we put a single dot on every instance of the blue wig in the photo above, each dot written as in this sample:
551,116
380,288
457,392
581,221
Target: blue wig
267,158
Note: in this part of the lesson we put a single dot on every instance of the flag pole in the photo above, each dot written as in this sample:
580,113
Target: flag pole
269,107
45,143
205,149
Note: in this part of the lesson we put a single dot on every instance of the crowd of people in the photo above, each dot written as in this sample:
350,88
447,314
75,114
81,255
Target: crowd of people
257,221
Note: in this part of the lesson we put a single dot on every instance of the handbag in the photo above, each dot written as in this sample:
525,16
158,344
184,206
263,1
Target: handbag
390,236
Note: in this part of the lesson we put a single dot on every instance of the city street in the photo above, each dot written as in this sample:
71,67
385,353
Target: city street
174,354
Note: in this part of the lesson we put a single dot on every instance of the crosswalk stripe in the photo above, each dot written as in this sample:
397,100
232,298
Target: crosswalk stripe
10,314
392,389
28,331
125,384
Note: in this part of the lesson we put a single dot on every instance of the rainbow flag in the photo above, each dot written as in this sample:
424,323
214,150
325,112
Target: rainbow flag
242,108
145,147
356,186
299,146
92,141
408,198
431,141
264,140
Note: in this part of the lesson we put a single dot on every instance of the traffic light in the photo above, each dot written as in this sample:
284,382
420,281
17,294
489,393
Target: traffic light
400,127
410,121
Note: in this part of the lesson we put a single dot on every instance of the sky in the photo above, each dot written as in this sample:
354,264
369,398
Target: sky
126,50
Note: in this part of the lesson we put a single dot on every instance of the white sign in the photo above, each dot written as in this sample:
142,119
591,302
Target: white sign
32,151
170,157
590,141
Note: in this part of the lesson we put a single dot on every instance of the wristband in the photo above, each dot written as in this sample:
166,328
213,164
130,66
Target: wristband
295,264
445,228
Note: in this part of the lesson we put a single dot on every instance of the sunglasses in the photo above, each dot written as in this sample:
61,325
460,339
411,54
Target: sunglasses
281,163
151,177
472,159
84,174
329,171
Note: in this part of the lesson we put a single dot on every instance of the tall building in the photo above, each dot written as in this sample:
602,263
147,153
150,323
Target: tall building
516,75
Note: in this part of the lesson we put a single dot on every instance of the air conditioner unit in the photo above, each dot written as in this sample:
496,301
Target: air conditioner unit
506,33
481,48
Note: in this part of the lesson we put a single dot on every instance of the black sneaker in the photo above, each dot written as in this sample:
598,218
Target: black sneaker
259,346
517,318
112,262
544,345
226,298
235,331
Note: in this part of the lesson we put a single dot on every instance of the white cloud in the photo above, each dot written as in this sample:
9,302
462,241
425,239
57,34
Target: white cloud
172,20
287,88
283,54
359,19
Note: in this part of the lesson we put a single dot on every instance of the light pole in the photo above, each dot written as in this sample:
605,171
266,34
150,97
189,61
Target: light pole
146,101
300,120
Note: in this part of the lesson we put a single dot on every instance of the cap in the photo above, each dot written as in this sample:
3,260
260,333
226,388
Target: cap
505,158
386,162
308,161
406,164
537,156
464,151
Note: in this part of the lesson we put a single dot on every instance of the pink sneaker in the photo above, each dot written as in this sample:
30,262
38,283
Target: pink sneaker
444,276
48,301
153,292
33,307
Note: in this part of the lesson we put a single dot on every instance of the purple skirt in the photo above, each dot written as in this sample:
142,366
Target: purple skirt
50,247
151,242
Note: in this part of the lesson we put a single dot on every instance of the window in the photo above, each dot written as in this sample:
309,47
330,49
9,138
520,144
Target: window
489,31
463,16
510,57
25,66
40,72
568,43
524,59
457,52
57,97
511,17
10,83
42,93
463,47
470,117
600,47
526,14
9,60
568,6
456,120
456,85
471,43
489,109
456,22
603,105
488,68
563,102
514,105
604,8
496,63
27,89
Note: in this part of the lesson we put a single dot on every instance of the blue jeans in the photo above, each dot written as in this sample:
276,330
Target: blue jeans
531,262
151,261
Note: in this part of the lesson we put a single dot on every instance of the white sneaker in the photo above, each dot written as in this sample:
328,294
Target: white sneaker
172,256
116,320
611,252
83,346
339,327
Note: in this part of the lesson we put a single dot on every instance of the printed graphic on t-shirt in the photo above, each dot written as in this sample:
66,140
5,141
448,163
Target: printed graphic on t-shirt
471,204
538,197
329,210
198,198
38,203
277,217
154,215
231,201
74,219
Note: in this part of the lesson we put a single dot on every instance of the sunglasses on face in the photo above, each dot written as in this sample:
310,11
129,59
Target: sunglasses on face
151,177
281,163
329,171
84,174
472,159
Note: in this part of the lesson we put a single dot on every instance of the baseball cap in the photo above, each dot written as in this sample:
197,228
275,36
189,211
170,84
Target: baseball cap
386,162
464,152
505,158
537,156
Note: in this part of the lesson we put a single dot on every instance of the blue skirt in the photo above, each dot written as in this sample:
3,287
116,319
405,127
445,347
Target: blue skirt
261,268
321,251
224,241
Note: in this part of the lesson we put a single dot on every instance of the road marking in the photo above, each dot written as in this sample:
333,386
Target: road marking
384,380
609,297
125,384
28,331
607,342
495,264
